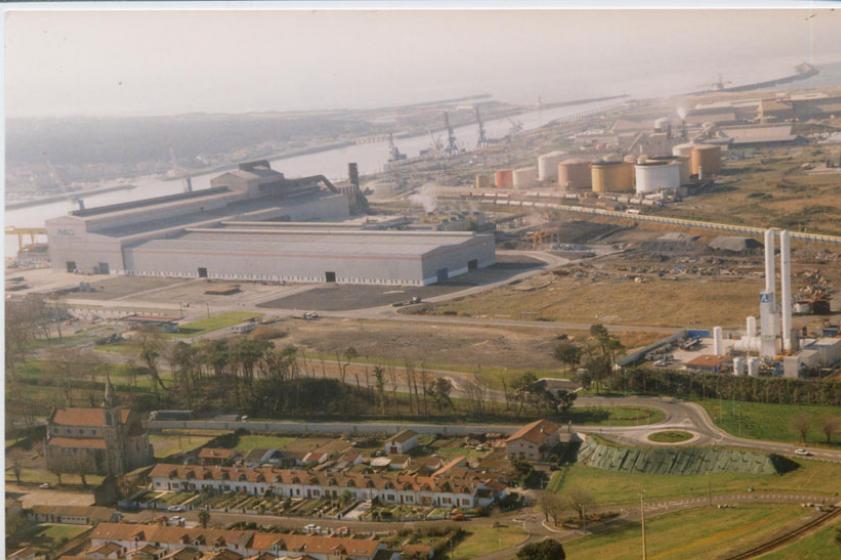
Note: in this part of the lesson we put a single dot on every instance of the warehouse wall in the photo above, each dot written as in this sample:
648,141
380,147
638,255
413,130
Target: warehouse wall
69,241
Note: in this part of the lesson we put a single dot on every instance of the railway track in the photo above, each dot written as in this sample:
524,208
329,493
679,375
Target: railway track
783,539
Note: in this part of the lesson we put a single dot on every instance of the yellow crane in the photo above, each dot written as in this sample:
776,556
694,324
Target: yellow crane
31,232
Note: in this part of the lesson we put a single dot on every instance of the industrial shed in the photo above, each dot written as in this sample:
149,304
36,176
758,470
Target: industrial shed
273,252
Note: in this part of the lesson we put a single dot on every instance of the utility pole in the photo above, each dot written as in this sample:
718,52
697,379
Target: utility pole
483,140
452,147
642,525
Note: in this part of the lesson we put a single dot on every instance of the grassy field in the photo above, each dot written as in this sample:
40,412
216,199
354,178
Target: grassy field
670,436
214,323
700,533
249,442
769,421
485,540
37,476
608,487
656,303
172,443
819,545
56,534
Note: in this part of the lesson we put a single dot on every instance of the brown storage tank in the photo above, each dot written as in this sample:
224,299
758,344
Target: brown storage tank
483,181
574,175
504,179
612,176
706,157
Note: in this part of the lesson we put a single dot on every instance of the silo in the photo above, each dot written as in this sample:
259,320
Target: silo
612,176
483,181
524,177
682,163
547,165
662,124
753,366
655,176
683,150
706,157
574,175
504,179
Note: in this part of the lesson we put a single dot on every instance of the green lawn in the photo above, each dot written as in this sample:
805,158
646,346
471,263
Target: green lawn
214,323
168,444
248,442
819,545
57,534
688,535
37,476
769,421
608,487
485,540
670,436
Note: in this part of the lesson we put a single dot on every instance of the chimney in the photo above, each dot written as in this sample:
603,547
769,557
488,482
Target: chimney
785,287
353,174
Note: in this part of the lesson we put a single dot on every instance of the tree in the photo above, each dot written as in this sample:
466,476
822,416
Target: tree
16,469
441,389
580,501
568,354
565,399
204,518
552,506
802,424
548,549
149,344
829,425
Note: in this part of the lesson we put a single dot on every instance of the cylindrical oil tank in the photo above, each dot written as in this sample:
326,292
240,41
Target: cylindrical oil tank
504,179
483,181
706,157
525,177
655,176
612,176
547,165
683,150
681,162
661,124
574,175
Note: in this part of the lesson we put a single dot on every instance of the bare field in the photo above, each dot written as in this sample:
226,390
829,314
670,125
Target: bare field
659,303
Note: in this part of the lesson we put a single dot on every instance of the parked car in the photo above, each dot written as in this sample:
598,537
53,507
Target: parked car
310,315
44,486
802,452
176,507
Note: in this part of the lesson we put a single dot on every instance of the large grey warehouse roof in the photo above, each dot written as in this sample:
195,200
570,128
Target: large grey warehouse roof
309,242
131,205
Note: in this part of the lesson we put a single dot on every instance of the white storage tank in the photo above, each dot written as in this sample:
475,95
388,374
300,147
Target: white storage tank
662,124
654,176
739,366
525,177
753,366
683,150
547,165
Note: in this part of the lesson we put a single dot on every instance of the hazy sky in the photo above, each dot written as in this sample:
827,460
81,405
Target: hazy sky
141,63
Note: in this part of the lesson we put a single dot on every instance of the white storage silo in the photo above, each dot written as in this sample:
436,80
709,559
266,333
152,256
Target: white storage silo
655,176
547,165
739,366
753,366
683,150
525,177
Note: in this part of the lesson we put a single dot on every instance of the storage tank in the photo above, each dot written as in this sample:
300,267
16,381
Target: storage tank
525,177
662,124
681,162
612,176
739,366
706,157
753,366
504,179
483,181
654,176
547,165
574,175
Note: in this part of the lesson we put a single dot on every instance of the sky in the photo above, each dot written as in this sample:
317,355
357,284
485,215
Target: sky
131,63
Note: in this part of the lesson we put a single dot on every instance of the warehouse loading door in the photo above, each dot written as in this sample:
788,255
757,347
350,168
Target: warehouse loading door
472,265
71,266
104,268
330,277
202,272
442,275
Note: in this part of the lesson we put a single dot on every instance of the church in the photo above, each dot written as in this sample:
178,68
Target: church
106,441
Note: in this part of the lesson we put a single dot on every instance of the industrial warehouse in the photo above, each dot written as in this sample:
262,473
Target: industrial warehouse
247,226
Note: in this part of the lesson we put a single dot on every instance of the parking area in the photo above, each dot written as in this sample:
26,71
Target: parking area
335,297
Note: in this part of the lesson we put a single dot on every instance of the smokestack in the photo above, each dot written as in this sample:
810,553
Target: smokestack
353,174
718,341
188,184
770,273
785,287
80,204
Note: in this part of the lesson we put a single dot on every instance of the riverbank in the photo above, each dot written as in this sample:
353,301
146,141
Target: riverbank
67,196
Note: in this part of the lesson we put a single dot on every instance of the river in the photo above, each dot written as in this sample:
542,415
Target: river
370,157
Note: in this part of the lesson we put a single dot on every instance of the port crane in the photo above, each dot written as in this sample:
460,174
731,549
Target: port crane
394,152
483,139
452,146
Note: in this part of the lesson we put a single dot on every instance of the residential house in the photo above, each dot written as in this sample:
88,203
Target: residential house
401,442
533,441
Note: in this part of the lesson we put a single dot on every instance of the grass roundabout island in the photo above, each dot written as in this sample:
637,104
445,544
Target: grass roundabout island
670,436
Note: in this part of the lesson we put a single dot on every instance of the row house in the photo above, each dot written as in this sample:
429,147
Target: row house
467,490
130,538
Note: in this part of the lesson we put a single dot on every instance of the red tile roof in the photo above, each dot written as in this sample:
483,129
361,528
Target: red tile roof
537,432
85,417
217,453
